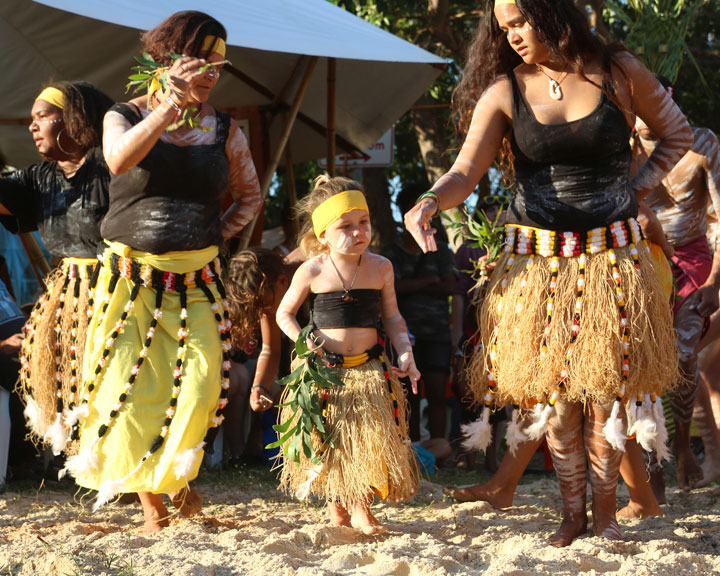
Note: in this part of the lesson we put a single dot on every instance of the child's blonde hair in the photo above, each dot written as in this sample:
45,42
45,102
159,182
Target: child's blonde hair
323,188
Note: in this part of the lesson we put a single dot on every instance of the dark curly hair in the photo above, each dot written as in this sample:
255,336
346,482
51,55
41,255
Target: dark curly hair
83,111
181,33
251,274
561,27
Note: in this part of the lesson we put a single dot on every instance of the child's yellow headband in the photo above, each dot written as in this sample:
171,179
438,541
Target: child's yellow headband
53,96
498,2
213,44
336,206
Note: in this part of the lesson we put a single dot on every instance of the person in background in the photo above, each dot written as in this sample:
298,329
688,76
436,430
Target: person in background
65,198
681,204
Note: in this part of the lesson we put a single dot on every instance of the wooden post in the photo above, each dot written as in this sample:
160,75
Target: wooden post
291,199
277,154
331,69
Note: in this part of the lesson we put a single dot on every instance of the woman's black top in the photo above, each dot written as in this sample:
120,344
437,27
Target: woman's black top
67,211
572,176
171,199
346,309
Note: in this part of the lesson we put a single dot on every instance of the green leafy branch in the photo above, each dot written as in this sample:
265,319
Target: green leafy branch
656,32
480,232
305,384
151,76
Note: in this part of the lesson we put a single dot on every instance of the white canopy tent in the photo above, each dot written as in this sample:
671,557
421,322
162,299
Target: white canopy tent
273,45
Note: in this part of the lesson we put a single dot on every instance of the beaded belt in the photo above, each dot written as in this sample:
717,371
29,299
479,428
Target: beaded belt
157,279
527,240
75,269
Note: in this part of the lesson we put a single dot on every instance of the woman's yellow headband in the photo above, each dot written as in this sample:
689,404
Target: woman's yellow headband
213,44
336,206
498,2
53,96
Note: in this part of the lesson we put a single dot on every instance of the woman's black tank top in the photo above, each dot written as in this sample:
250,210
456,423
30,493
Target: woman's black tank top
572,176
358,308
171,199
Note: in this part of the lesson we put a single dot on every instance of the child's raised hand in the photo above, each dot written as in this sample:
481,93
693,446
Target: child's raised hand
407,368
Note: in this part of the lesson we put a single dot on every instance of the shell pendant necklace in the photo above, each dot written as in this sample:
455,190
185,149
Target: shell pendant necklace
346,297
554,85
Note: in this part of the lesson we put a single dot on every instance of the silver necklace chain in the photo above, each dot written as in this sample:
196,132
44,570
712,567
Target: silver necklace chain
342,282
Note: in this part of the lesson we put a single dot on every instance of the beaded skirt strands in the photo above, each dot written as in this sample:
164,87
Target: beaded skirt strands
52,352
156,371
580,316
368,421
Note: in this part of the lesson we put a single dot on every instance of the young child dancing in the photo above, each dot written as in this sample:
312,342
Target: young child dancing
350,289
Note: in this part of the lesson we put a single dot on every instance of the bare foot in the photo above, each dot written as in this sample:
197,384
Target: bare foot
338,515
155,524
500,498
187,501
689,472
154,511
711,472
363,520
637,510
571,527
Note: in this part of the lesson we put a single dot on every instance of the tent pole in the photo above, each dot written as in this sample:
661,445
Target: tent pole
331,69
277,154
291,199
39,265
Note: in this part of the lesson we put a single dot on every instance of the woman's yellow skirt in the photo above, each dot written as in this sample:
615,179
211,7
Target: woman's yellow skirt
367,419
579,315
52,352
156,371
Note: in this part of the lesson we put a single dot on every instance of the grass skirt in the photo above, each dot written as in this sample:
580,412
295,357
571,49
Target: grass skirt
52,352
372,451
514,326
155,372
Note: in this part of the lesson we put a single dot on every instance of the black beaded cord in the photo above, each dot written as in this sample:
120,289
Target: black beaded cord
102,430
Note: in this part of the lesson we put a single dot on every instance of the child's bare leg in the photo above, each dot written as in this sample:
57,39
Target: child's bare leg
362,519
337,514
705,421
642,500
565,440
187,501
604,469
154,512
500,490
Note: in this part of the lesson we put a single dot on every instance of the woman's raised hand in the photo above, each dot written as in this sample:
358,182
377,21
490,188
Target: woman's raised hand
182,75
417,222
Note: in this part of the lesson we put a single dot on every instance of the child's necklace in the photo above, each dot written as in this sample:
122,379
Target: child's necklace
346,296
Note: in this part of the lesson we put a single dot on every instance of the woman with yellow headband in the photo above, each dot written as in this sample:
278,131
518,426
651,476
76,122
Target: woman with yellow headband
350,291
65,198
157,362
574,324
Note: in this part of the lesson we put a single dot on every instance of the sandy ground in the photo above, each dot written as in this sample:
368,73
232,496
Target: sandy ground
247,527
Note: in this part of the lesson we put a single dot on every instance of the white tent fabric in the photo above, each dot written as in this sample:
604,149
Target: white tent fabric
379,76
